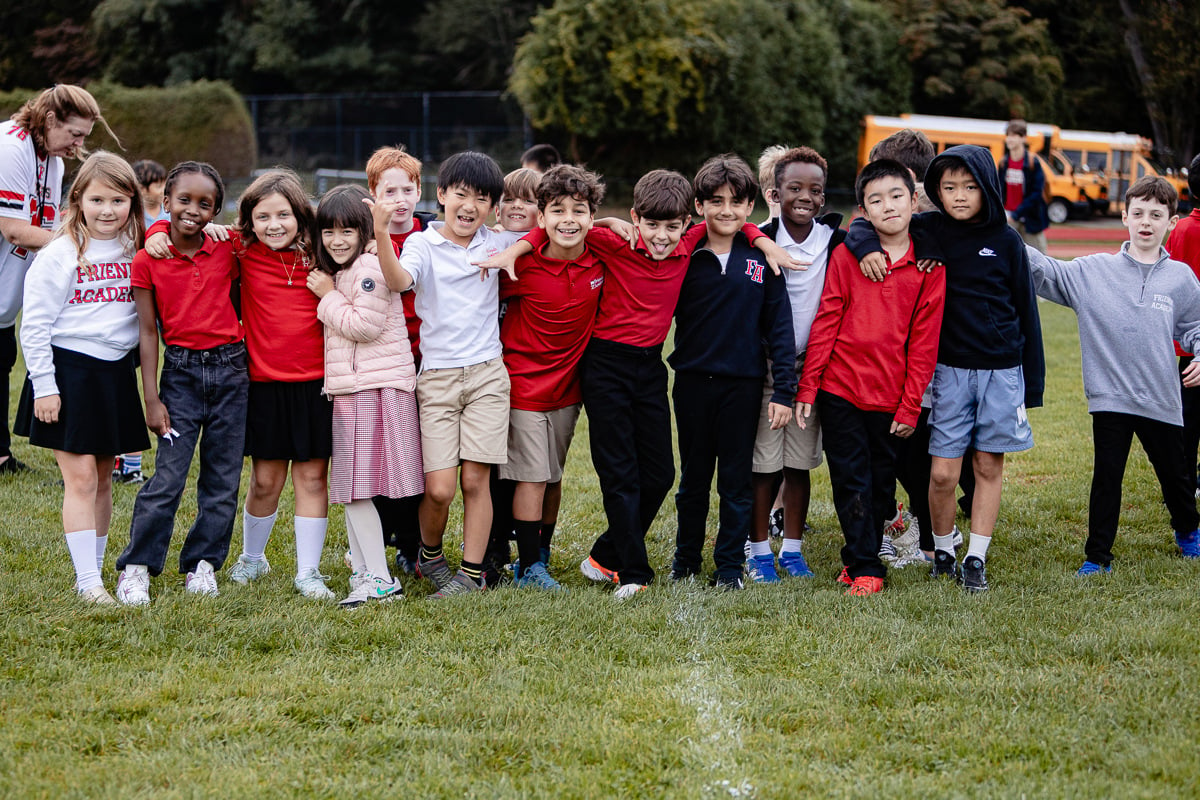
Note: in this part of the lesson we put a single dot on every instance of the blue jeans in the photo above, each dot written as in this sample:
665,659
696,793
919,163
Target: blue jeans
203,390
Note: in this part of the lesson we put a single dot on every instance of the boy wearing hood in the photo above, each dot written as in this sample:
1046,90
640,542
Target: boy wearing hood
990,365
1130,305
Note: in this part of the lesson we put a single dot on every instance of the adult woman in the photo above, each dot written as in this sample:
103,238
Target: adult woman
48,128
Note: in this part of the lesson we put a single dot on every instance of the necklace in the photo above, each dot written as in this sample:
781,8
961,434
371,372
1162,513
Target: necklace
303,261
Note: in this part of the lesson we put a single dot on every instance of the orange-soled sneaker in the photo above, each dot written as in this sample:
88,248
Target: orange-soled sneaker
844,577
593,570
864,585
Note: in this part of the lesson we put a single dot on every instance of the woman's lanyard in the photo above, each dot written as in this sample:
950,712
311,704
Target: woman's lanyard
39,186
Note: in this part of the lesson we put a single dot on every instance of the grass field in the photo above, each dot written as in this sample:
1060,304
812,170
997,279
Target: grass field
1047,686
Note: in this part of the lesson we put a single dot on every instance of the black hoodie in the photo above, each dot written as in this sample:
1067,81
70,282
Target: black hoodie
991,317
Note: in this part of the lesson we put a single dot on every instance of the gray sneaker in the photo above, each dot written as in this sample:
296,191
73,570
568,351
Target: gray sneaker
436,570
246,570
459,583
311,584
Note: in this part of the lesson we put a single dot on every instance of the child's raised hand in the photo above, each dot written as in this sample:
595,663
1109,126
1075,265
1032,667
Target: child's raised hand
319,283
46,408
901,430
779,415
158,245
217,232
874,266
382,209
157,418
803,412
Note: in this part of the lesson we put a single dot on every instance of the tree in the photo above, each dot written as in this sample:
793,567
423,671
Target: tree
980,58
469,44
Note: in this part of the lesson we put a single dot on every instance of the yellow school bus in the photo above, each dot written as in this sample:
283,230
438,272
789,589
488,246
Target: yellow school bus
1071,191
1121,158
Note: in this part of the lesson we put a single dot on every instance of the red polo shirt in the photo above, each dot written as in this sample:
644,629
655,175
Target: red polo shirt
1184,245
551,312
640,294
409,298
191,294
875,344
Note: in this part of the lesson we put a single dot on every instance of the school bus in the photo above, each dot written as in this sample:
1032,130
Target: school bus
1070,191
1121,158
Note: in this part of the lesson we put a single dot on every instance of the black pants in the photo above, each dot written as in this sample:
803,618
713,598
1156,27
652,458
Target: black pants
860,452
8,359
629,425
1112,436
717,420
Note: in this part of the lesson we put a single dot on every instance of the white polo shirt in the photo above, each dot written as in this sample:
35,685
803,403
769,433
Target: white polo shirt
804,287
459,313
22,175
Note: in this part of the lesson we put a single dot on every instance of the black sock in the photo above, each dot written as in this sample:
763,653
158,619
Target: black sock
547,535
430,553
473,570
528,541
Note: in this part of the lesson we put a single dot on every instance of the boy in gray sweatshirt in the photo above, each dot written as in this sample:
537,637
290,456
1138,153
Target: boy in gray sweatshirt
1130,306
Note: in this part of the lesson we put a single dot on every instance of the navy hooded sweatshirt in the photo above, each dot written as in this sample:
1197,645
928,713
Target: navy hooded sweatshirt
991,317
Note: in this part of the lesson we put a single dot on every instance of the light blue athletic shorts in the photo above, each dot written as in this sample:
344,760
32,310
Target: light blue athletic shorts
979,408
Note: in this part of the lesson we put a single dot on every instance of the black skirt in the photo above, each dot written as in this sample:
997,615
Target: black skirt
101,412
289,421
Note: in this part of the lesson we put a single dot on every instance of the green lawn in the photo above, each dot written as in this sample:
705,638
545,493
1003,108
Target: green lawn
1047,686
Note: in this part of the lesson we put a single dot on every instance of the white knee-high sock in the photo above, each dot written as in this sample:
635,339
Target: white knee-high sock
363,519
101,546
310,541
256,532
82,546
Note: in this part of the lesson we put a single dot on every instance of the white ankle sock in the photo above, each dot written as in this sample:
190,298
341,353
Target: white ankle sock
762,548
82,546
310,541
790,546
101,546
256,532
944,543
978,546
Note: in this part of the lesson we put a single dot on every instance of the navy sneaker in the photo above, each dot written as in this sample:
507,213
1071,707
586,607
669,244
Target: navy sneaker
944,565
1092,568
728,583
974,576
1189,544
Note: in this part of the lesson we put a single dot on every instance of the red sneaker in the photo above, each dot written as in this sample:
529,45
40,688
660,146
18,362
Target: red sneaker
864,585
844,577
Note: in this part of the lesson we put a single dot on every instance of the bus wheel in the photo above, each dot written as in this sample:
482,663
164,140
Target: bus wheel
1058,210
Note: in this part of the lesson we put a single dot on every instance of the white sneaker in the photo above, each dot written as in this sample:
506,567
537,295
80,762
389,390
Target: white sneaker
133,585
246,570
358,579
311,584
372,588
628,590
202,581
98,595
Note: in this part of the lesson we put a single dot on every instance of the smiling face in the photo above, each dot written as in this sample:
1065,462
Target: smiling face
396,184
888,205
516,214
65,137
274,223
801,195
342,244
105,210
659,236
961,194
1148,221
566,220
191,204
723,213
466,210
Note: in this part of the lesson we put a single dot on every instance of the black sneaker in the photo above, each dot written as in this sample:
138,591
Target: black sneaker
944,565
974,576
11,466
682,574
728,583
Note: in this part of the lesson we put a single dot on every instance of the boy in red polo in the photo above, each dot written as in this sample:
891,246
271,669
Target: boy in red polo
551,311
870,356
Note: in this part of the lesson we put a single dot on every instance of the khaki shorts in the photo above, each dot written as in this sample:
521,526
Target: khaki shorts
464,414
789,446
538,442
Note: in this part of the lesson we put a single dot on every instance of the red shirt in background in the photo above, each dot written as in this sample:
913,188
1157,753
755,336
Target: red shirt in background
191,294
551,313
1014,184
1183,244
875,344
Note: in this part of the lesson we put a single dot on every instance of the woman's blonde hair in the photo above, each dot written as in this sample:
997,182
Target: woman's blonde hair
113,171
65,101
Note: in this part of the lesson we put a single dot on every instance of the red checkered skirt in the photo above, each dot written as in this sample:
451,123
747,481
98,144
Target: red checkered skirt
376,446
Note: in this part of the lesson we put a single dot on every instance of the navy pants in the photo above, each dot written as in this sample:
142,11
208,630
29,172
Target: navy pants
8,359
860,452
629,426
205,394
717,420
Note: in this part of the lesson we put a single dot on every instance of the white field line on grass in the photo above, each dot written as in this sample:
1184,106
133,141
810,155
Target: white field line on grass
715,749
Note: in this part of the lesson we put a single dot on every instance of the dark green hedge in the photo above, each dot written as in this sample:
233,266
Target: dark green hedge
204,121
